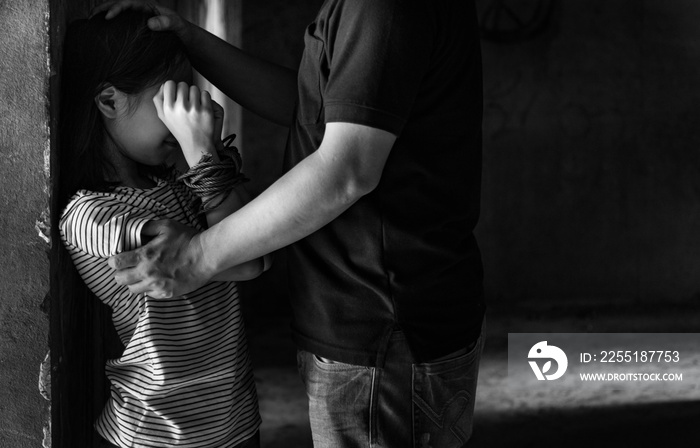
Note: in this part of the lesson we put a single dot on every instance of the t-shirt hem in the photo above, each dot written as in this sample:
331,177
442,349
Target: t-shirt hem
346,355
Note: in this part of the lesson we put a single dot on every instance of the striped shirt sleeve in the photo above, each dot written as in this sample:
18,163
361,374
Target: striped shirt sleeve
102,226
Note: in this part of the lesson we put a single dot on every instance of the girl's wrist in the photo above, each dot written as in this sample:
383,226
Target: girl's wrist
195,156
213,177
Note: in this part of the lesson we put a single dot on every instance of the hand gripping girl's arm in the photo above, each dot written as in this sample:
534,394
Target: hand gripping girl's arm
195,120
268,89
347,165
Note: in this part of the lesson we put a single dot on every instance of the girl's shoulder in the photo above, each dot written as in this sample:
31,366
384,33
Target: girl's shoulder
87,199
105,208
123,196
102,224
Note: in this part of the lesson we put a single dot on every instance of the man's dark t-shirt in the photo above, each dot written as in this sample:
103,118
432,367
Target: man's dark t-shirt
404,256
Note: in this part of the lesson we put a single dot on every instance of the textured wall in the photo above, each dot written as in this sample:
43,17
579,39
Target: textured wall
23,197
591,186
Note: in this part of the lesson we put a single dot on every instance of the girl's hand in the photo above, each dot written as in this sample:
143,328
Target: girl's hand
165,19
218,124
189,115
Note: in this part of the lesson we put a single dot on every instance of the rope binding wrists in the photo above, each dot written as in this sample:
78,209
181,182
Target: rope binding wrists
213,181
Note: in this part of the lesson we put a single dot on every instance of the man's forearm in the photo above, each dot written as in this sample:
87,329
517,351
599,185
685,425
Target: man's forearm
295,206
347,166
267,89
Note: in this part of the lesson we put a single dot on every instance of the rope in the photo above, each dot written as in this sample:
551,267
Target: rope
213,181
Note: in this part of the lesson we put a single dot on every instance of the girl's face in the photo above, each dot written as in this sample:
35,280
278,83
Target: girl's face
134,124
140,134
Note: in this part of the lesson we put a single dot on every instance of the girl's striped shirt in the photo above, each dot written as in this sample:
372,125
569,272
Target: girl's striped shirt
185,377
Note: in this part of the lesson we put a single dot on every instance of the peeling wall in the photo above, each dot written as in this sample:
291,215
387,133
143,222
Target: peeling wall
24,200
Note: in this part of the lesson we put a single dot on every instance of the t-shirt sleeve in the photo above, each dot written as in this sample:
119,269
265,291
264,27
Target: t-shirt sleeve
377,54
102,226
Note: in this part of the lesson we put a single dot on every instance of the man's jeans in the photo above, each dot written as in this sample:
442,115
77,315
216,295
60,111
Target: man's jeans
400,405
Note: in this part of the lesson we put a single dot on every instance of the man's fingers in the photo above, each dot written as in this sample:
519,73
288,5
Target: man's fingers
144,287
138,285
113,11
131,278
164,20
154,269
124,260
153,228
161,23
101,8
140,288
113,8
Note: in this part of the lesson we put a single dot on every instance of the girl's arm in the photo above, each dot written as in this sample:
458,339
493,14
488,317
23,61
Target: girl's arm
196,121
267,89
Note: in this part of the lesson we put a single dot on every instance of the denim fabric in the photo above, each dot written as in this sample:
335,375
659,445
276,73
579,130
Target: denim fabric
444,395
401,404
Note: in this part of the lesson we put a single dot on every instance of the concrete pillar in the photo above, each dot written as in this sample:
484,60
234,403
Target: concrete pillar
24,200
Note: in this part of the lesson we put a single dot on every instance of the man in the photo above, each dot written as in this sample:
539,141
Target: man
376,209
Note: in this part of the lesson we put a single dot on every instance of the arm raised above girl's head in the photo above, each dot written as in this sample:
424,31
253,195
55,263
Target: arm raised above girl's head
266,88
165,19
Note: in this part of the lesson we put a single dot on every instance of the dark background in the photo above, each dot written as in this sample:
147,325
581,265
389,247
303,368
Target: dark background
590,174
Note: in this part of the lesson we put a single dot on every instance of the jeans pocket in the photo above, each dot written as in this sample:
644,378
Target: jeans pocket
443,400
339,400
335,366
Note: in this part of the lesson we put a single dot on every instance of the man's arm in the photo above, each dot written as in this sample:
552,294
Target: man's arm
247,270
347,165
267,89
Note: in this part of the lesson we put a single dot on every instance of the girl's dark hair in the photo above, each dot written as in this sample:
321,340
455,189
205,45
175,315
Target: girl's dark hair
122,52
97,53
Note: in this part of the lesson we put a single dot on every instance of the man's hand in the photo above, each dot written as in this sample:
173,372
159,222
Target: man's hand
171,264
165,19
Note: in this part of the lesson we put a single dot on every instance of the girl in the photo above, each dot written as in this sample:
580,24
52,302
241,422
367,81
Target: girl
184,378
